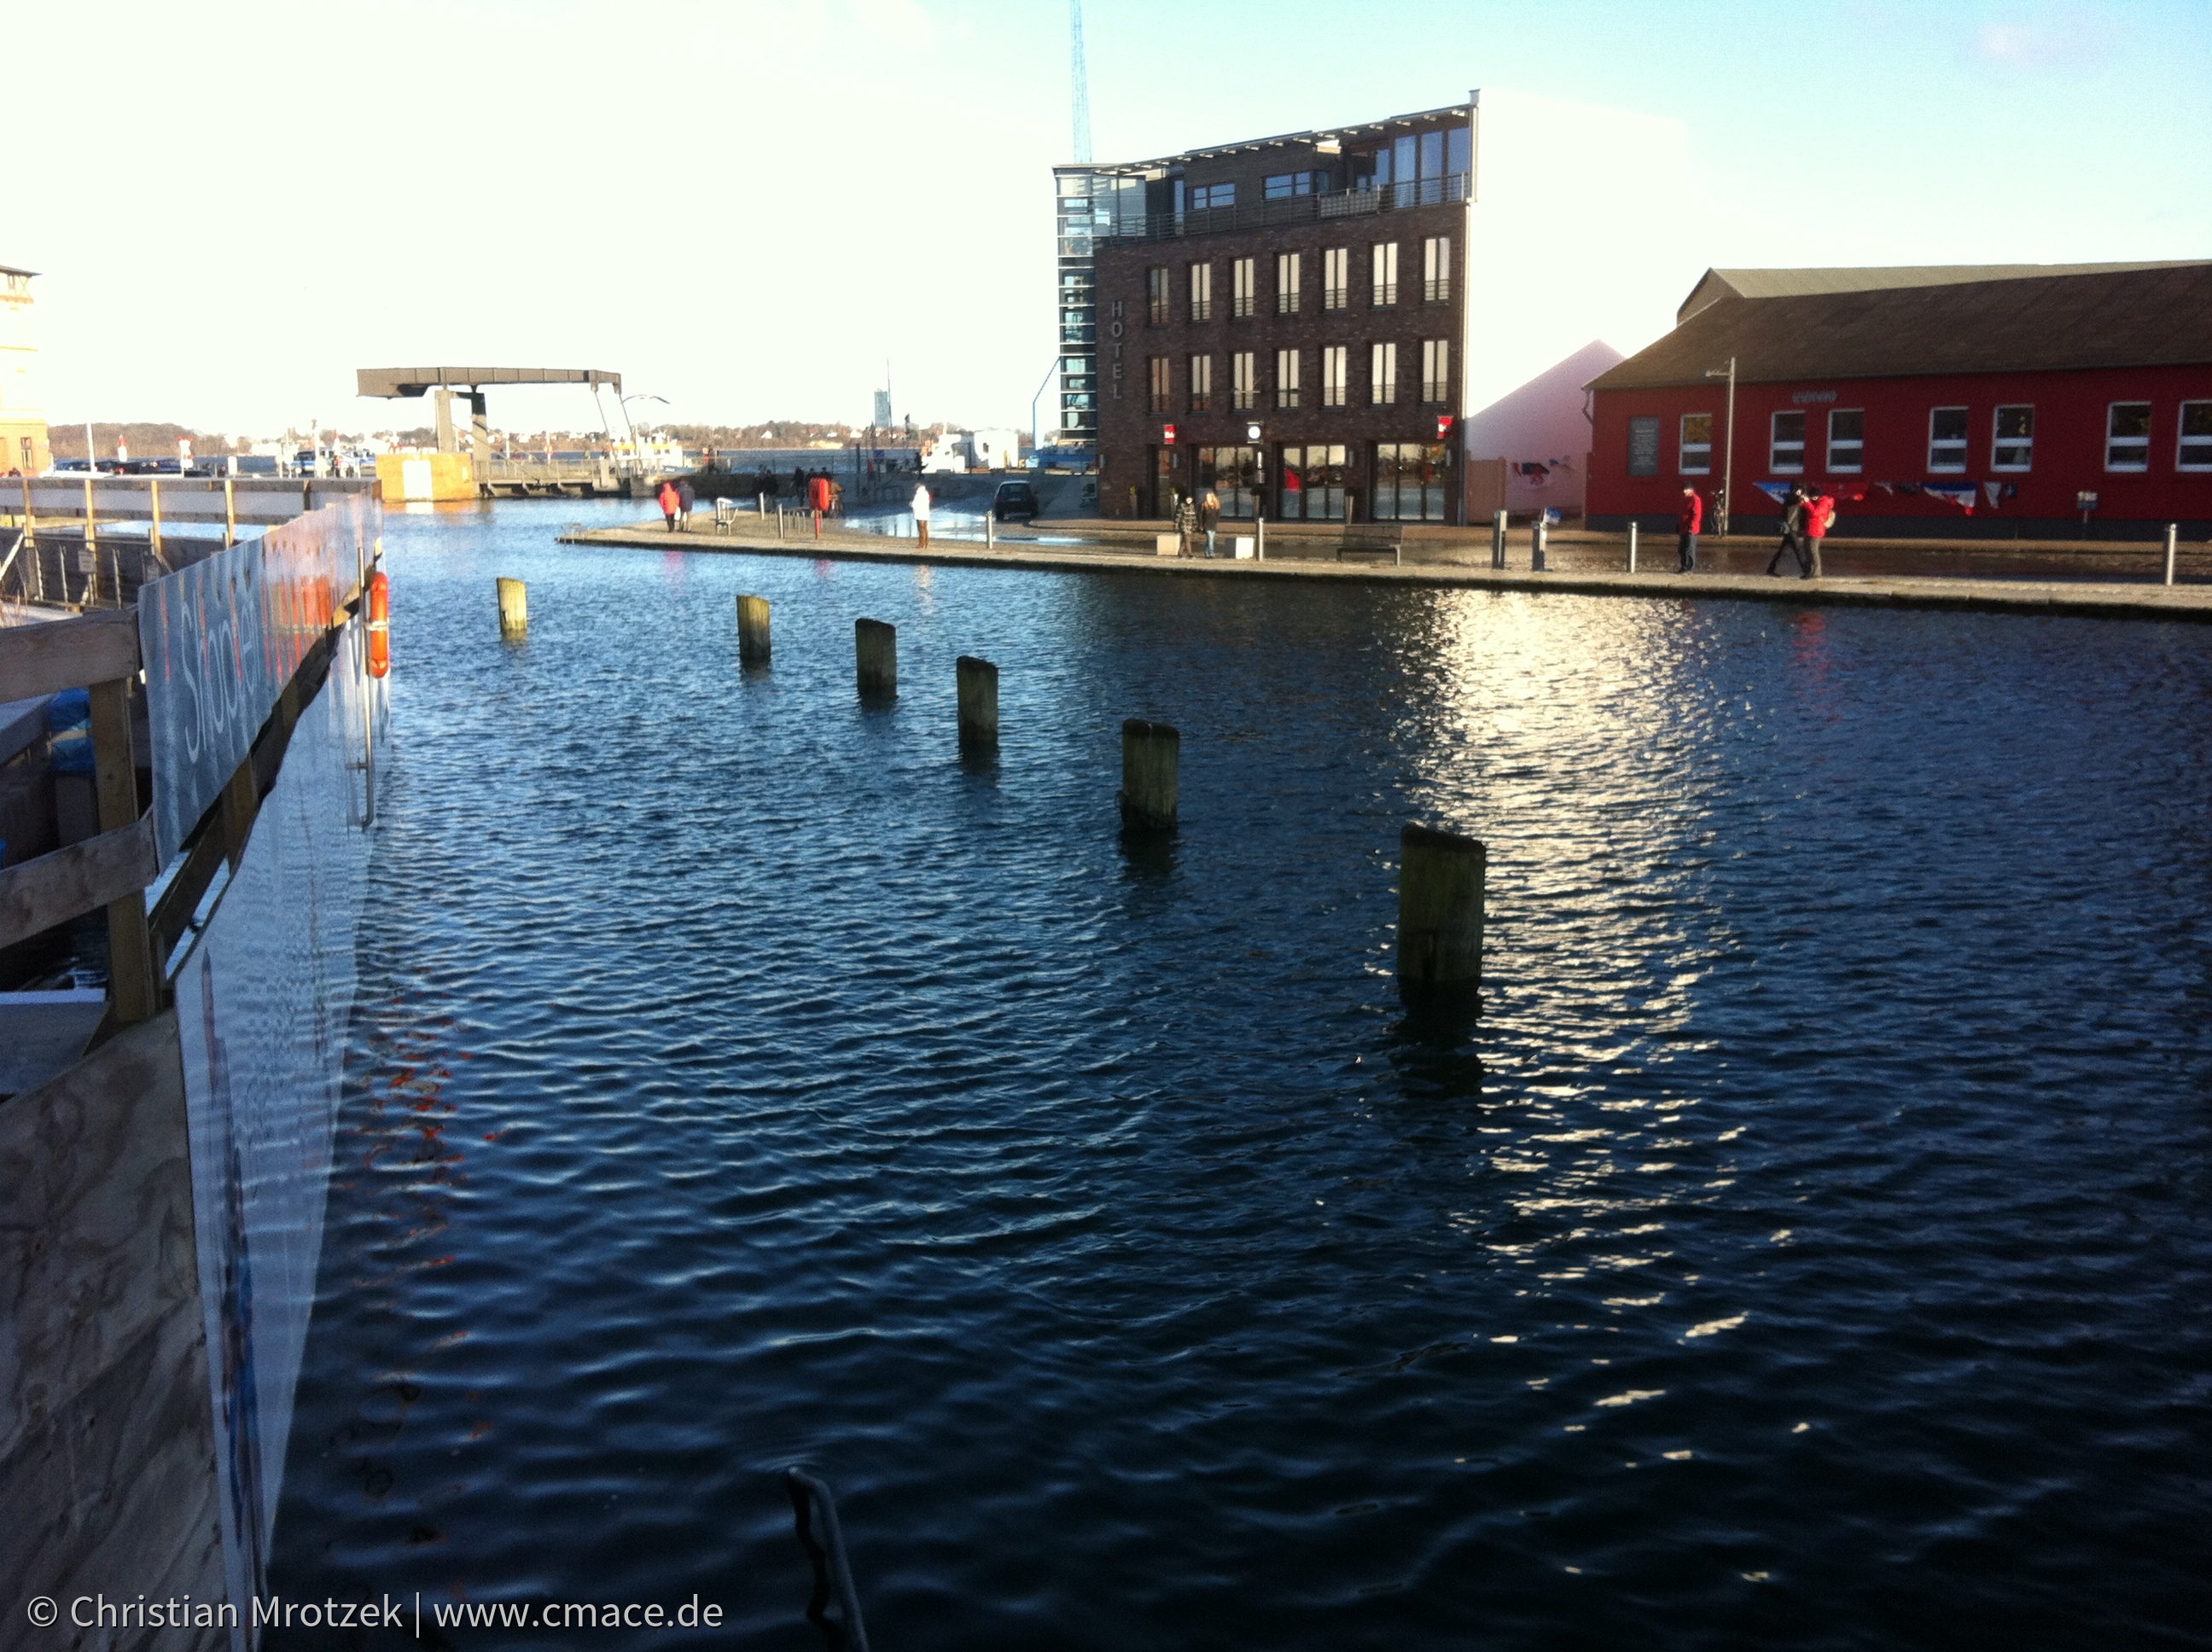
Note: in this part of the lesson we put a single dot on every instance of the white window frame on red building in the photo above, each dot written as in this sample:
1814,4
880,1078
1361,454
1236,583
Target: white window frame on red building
1999,443
1702,452
1775,445
2199,445
2139,445
1961,442
1857,444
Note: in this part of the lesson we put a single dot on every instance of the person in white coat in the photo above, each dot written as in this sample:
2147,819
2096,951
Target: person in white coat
920,509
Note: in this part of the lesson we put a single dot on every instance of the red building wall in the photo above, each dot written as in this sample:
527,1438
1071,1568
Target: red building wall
2070,446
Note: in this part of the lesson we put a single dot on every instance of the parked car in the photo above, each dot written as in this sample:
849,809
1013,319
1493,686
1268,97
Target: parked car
1015,499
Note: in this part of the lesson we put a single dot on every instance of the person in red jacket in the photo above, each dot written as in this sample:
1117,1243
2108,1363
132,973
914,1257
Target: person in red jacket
1692,518
1818,516
672,502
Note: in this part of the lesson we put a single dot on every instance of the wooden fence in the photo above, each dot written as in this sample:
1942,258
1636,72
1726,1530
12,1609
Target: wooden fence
113,869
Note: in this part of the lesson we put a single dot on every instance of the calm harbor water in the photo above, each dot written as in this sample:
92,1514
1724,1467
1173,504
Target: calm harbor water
1809,1247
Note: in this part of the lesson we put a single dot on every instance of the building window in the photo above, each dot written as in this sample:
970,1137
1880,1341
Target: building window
1245,381
1846,441
1947,439
1697,444
1644,446
1208,196
1385,268
1285,185
1286,283
1201,291
1409,482
1312,483
1436,369
1384,381
1286,377
2194,452
2014,449
1234,475
1201,384
1243,284
1336,278
1162,390
1335,369
2127,436
1786,452
1156,295
1436,268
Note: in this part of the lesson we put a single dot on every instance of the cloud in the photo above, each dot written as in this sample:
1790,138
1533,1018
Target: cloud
2043,37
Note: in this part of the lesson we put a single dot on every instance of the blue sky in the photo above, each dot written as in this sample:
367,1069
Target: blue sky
746,206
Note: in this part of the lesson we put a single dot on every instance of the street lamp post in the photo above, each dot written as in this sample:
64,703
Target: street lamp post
1036,435
1728,443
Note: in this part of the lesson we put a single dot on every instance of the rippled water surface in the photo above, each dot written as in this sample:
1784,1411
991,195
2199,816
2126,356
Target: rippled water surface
1809,1247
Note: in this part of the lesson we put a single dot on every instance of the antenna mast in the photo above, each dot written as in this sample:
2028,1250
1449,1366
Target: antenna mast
1079,76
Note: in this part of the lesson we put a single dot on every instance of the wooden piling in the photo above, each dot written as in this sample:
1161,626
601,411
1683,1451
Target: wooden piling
1440,890
1152,754
979,701
875,653
514,609
753,645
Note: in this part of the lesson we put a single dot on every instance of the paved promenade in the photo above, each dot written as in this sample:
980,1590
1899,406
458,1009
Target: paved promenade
2111,600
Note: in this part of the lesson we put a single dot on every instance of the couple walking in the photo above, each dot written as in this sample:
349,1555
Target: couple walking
1192,519
1805,523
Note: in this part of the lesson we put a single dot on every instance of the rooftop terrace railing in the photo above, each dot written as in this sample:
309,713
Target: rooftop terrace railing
1446,191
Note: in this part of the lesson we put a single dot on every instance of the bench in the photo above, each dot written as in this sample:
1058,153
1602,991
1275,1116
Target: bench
1373,539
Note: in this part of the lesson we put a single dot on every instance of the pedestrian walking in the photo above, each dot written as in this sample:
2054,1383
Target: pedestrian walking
672,502
1209,518
1793,534
1820,517
686,496
1690,517
1186,524
919,505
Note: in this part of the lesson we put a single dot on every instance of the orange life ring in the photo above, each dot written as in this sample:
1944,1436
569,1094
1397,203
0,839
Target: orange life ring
380,624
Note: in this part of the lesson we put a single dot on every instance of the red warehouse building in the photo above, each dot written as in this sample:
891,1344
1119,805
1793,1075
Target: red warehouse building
2004,402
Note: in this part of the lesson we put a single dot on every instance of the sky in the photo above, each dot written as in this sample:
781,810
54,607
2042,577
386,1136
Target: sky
747,207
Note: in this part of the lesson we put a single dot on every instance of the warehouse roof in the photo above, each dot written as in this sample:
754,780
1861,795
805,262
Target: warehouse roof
1716,284
2144,315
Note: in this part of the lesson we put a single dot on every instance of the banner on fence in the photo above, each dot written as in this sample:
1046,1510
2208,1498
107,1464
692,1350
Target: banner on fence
222,638
263,999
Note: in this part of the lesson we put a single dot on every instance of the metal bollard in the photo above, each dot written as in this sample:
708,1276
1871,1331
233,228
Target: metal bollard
1498,540
1538,535
1260,539
1632,545
990,530
2172,539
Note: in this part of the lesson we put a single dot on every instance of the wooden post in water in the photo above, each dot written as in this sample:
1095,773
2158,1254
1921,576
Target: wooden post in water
875,653
979,701
1440,888
752,630
1152,754
514,609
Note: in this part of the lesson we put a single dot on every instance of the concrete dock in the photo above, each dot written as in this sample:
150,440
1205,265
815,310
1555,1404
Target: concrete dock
1454,568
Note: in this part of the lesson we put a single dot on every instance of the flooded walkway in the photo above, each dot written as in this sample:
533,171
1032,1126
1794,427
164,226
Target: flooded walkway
1048,549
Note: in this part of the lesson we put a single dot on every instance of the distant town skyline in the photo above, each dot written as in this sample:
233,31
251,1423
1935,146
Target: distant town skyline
754,205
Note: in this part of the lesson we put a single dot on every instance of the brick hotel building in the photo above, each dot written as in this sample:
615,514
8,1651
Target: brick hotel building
1308,287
